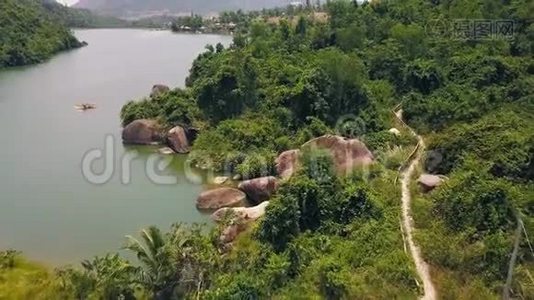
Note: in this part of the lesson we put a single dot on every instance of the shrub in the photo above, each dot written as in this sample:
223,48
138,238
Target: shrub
173,108
257,164
7,259
485,140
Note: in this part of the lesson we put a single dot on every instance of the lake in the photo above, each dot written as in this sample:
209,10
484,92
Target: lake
48,209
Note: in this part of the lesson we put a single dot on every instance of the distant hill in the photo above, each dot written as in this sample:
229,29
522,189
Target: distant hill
81,18
30,33
144,7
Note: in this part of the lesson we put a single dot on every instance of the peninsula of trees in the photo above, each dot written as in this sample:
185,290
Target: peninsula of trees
30,33
346,69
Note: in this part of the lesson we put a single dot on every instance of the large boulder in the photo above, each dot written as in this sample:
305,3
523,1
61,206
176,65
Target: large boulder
220,197
230,233
346,153
142,132
259,189
241,215
178,141
287,163
240,218
159,89
429,182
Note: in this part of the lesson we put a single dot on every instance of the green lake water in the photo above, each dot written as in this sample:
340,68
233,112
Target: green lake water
48,209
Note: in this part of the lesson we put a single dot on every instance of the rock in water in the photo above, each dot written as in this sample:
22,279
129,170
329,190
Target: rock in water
221,197
142,132
178,141
259,189
159,89
429,182
166,151
346,153
287,163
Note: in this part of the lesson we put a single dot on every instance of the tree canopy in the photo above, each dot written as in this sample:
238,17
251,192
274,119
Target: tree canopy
292,75
29,33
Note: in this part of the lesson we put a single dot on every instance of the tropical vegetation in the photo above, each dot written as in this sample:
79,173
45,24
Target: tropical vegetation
343,69
29,33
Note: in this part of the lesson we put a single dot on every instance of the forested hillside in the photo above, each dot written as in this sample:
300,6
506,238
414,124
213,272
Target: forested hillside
325,235
29,34
81,18
468,92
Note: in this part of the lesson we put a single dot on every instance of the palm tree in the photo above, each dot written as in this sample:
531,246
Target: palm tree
173,264
157,273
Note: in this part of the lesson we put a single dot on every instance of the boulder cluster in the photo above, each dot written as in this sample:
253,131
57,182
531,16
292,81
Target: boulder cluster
142,132
346,154
150,132
230,204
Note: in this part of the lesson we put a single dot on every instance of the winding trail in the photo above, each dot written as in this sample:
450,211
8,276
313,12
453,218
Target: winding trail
407,220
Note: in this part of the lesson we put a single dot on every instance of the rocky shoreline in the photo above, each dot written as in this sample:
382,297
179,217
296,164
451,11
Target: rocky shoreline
238,206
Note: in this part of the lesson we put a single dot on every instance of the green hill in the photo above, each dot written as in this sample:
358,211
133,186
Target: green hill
30,34
82,18
288,79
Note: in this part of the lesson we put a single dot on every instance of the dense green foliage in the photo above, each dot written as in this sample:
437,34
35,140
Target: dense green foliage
29,33
287,79
503,139
20,279
193,23
325,236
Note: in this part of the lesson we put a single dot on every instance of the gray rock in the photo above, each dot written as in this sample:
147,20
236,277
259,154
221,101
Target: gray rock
240,218
230,233
241,215
178,141
429,182
159,89
142,132
287,163
220,197
347,154
259,189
